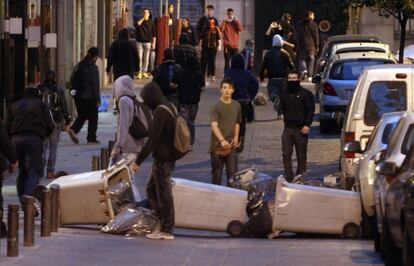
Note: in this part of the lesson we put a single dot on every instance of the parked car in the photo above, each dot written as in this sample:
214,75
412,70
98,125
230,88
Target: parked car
380,89
408,226
338,82
365,168
327,48
393,223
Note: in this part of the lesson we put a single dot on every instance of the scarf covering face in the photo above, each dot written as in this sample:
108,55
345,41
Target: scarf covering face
293,86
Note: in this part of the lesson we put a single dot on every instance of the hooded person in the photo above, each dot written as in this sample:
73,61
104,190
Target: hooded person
126,146
248,53
183,51
246,87
123,56
161,144
277,64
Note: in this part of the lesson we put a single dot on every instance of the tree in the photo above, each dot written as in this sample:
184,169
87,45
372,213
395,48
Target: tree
402,10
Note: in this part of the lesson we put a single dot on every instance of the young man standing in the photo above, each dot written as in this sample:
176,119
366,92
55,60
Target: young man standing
146,37
204,20
230,28
298,108
225,126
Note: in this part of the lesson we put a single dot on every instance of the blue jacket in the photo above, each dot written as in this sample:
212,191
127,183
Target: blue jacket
245,83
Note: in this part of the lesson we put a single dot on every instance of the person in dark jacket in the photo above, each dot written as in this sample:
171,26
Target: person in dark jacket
184,51
88,100
308,44
166,76
191,82
186,28
298,108
146,38
54,97
203,22
29,122
123,56
277,65
246,87
161,144
6,152
248,53
210,43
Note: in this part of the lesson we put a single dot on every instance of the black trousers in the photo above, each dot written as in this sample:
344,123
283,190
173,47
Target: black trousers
87,110
159,193
208,61
228,55
218,163
294,138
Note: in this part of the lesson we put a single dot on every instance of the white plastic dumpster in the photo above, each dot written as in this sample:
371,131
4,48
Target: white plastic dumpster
209,207
308,209
85,199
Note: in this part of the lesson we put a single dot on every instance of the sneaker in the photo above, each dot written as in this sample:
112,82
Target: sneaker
92,142
145,75
139,76
213,78
73,136
309,79
50,174
304,75
160,235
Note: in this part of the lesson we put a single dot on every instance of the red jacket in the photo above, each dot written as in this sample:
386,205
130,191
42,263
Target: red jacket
231,33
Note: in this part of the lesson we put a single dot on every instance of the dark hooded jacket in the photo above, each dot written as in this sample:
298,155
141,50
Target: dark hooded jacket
190,83
307,35
162,131
29,115
123,56
277,63
166,73
245,83
6,150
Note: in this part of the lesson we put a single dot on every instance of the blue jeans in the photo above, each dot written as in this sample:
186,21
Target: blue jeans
189,113
307,61
50,145
275,88
218,163
29,149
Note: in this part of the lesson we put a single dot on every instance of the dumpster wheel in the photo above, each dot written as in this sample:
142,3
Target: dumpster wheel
351,230
234,228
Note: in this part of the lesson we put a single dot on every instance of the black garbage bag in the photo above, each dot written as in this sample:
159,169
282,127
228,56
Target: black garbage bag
132,221
121,195
260,209
253,182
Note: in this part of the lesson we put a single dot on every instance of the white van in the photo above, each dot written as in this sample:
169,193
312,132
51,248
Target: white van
380,89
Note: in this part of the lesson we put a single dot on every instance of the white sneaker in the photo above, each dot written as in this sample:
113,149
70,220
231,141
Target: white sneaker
310,79
160,235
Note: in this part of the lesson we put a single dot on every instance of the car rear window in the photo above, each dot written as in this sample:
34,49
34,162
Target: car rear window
384,97
350,70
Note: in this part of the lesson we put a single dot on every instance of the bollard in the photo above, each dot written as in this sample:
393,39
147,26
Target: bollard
46,213
111,145
29,226
55,190
96,163
104,158
13,233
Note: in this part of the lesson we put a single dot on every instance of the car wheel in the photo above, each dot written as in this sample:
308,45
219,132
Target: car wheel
391,254
324,126
408,250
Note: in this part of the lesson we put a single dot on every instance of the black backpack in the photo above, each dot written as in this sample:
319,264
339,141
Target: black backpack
78,76
138,129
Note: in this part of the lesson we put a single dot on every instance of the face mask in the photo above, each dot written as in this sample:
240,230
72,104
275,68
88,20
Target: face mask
294,85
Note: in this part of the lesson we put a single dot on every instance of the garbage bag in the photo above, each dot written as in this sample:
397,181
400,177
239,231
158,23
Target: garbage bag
252,181
121,195
132,221
260,209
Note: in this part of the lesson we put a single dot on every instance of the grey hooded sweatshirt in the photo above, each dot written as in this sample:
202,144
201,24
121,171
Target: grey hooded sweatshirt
124,86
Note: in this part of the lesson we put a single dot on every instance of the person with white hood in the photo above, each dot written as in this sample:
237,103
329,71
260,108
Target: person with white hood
126,146
277,64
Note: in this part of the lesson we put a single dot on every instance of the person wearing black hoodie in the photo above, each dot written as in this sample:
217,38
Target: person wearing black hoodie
245,89
123,56
161,144
298,108
28,123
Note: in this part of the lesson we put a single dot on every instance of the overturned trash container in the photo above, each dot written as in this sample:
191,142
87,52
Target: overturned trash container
94,197
309,209
205,206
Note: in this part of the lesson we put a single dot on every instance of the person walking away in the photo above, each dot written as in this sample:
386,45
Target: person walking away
189,92
126,146
308,45
230,29
166,76
161,144
298,109
146,39
123,56
8,160
225,116
183,51
186,28
87,96
248,54
54,97
277,65
29,122
203,22
210,43
246,87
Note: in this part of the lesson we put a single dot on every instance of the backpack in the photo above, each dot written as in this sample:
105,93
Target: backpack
77,77
182,137
139,127
53,100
